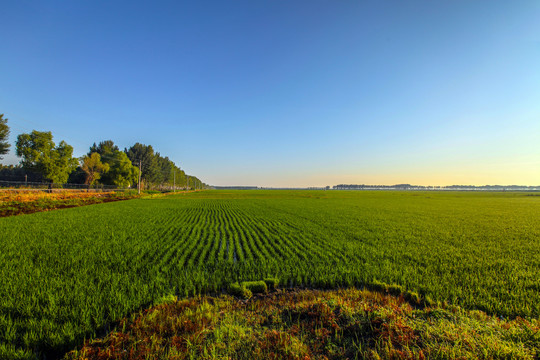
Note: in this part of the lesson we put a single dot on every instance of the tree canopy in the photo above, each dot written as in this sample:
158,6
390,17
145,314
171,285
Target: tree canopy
4,134
105,163
93,167
151,173
103,148
159,171
40,154
121,172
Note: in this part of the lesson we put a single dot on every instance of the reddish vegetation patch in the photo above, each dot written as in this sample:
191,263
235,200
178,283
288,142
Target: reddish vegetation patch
26,202
312,324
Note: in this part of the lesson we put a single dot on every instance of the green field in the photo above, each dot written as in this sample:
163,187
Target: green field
68,274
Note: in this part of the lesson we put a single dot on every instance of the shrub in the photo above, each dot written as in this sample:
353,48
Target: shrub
377,286
256,287
394,289
428,301
166,299
412,297
239,291
271,283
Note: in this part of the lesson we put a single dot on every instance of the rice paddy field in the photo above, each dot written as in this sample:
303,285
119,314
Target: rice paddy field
69,275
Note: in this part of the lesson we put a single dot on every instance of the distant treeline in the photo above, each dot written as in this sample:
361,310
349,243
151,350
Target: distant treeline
104,164
421,187
235,187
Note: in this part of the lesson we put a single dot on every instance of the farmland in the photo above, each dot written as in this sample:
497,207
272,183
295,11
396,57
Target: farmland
68,275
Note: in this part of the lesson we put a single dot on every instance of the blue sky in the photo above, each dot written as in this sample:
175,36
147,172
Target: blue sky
286,93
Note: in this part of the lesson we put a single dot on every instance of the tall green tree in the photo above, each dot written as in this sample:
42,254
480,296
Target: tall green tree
4,134
180,177
40,154
151,172
105,147
93,167
121,172
166,167
159,171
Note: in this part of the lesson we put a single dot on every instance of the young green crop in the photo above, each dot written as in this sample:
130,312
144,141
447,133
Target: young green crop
70,274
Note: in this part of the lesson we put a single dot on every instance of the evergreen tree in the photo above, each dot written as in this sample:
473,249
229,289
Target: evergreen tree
121,172
4,134
151,173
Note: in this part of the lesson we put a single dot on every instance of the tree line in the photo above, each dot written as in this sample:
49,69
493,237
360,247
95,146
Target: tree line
42,160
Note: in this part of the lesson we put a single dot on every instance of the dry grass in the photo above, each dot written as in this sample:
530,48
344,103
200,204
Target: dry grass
31,195
312,324
25,201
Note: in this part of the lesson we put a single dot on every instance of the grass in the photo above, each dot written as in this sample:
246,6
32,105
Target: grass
71,274
307,324
27,202
19,202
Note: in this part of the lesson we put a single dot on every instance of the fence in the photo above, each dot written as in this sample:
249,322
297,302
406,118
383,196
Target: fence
8,185
46,186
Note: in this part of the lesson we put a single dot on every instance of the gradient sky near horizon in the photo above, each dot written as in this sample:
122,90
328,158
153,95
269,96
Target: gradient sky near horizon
285,93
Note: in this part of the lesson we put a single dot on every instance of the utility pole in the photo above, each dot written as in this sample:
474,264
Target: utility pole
174,181
140,170
187,183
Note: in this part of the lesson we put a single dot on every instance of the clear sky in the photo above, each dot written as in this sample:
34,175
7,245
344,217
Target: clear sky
286,93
